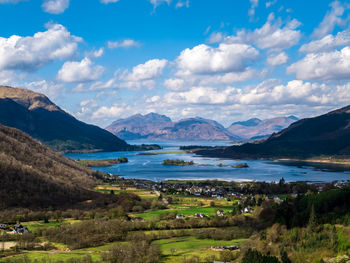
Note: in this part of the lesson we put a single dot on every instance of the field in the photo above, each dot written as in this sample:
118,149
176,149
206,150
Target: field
178,249
94,236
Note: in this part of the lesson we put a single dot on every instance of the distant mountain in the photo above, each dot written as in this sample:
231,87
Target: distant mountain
160,127
32,175
257,129
195,129
139,126
153,126
328,134
36,115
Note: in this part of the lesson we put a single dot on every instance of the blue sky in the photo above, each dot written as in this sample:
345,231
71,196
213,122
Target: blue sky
227,60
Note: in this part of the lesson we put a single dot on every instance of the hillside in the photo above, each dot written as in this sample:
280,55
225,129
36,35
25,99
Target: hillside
33,175
256,128
36,115
328,134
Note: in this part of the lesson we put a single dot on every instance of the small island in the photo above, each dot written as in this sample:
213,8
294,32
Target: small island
177,162
241,165
104,162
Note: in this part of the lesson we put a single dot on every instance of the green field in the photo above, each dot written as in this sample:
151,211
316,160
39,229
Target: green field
178,249
209,211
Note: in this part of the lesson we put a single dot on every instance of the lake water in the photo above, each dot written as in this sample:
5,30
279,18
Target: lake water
150,166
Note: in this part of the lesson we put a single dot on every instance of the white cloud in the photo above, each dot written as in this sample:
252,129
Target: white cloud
215,37
143,75
95,53
277,59
333,65
327,43
272,35
153,99
114,111
32,53
265,94
83,71
126,43
202,95
331,19
9,78
50,89
204,59
55,6
175,84
109,1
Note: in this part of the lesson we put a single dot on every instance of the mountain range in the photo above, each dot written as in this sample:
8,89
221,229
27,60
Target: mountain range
34,114
154,126
328,134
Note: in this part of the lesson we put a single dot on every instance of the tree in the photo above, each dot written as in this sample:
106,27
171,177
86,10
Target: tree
284,257
312,220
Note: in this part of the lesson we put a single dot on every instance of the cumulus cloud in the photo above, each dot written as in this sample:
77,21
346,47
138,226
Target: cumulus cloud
49,88
269,92
8,77
143,75
95,53
272,35
331,19
204,59
215,37
327,43
111,112
55,6
332,65
175,84
32,53
83,71
277,59
126,43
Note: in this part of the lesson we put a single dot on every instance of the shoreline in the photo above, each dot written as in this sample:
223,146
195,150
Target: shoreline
322,161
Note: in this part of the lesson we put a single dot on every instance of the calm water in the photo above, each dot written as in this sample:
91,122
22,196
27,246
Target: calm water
150,166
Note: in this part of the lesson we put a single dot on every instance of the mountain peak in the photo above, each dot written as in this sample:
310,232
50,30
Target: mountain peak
27,98
249,123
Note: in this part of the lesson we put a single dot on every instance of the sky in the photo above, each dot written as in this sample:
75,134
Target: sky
227,60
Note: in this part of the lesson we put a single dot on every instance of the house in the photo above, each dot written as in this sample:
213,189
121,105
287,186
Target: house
3,226
200,215
19,229
247,210
220,213
180,216
137,219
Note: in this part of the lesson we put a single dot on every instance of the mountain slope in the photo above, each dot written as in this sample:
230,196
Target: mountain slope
33,175
328,134
256,128
139,126
36,115
159,127
196,129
